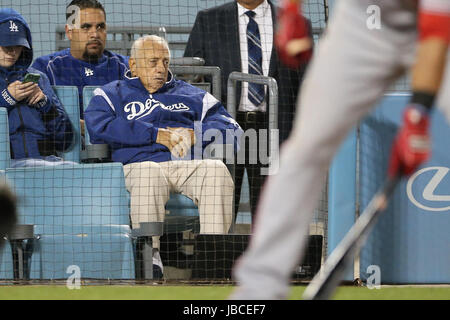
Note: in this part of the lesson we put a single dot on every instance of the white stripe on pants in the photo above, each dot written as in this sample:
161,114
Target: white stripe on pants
207,182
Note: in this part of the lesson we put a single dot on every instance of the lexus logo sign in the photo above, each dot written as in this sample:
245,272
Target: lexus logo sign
435,196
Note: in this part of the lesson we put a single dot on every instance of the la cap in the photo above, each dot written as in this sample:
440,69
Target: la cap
13,33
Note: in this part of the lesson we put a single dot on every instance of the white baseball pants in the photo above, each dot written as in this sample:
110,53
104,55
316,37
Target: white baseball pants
352,68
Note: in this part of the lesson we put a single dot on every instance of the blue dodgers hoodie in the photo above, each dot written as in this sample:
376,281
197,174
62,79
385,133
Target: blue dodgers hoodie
35,131
64,70
126,116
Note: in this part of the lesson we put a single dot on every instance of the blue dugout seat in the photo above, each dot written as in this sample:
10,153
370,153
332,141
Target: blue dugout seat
6,263
80,213
68,95
5,155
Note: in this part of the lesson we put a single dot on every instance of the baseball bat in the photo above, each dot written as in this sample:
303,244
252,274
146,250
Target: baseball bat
329,276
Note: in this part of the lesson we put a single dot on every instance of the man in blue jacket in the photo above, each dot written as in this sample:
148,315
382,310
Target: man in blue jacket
86,62
38,124
151,122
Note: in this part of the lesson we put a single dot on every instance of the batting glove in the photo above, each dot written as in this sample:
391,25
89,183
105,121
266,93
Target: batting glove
412,144
292,39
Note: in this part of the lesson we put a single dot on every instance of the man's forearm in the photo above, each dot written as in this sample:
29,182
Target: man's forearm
428,71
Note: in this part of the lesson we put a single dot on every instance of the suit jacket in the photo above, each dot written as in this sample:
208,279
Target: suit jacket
215,38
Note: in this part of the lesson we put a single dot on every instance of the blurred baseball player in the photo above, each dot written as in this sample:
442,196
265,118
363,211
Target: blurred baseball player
353,67
8,210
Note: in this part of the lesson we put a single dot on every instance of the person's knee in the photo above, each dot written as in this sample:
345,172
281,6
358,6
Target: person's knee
145,174
218,172
149,167
213,163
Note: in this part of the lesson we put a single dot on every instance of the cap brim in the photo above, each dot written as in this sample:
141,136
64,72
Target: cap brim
9,41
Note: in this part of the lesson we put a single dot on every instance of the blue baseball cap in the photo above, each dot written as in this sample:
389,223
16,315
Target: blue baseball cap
13,33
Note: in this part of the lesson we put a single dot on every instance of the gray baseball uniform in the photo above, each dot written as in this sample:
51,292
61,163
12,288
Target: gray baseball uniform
353,67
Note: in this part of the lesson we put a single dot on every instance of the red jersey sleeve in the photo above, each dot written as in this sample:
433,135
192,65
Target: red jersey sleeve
434,19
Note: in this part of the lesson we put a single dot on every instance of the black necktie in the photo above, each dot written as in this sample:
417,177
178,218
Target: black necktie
255,91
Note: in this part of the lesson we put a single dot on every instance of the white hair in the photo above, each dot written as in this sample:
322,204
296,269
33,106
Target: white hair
154,38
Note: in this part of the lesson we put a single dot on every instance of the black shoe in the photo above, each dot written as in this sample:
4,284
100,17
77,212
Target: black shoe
157,272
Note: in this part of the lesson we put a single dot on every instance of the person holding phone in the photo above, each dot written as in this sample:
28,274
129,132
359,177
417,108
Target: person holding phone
86,62
38,125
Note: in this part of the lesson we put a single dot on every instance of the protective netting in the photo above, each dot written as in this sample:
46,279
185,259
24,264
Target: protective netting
106,214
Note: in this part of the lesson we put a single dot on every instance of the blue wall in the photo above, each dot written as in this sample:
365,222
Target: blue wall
410,243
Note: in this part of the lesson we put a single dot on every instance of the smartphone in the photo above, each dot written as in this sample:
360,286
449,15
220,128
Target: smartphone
31,77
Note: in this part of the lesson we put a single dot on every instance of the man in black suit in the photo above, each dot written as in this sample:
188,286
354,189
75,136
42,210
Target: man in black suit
221,36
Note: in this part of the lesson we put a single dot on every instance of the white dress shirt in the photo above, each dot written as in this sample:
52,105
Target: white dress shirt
263,17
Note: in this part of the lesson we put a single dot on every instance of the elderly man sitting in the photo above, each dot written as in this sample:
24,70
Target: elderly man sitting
148,121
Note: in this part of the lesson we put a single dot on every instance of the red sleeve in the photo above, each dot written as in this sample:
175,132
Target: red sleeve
434,19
